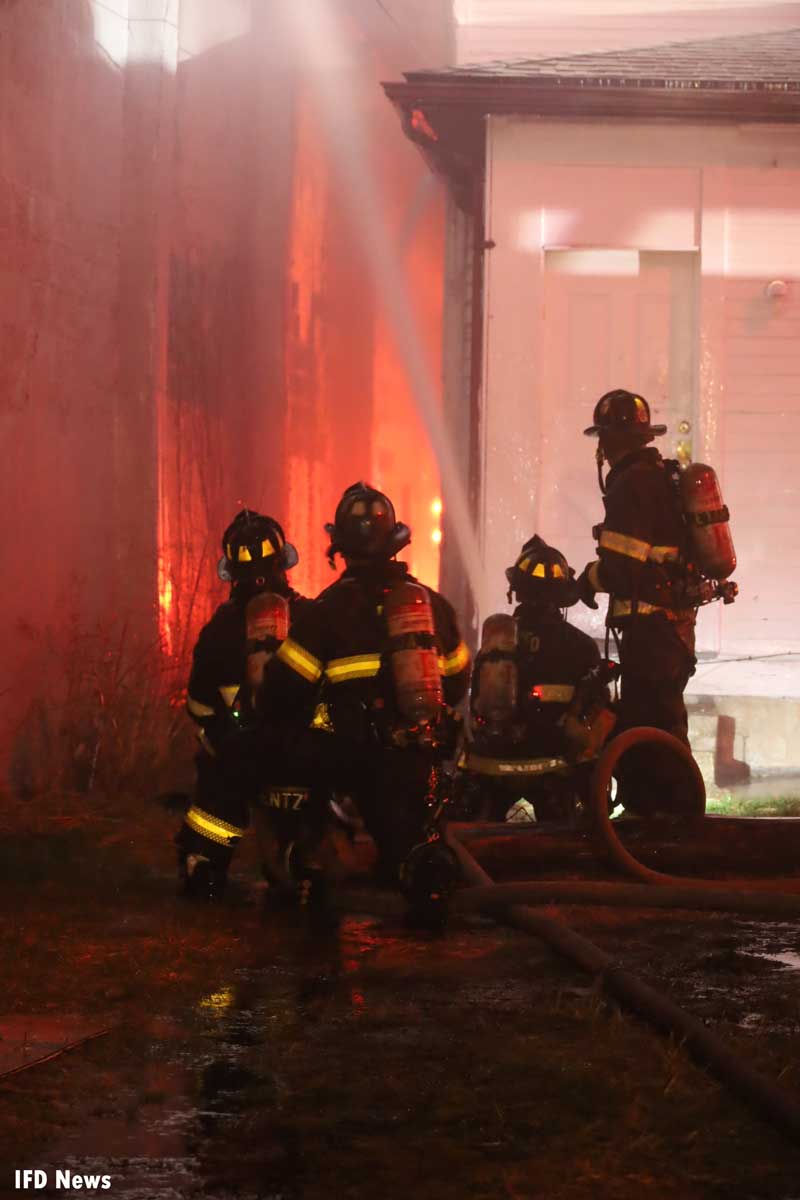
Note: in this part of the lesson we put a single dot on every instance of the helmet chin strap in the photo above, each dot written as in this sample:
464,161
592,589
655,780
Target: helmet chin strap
600,458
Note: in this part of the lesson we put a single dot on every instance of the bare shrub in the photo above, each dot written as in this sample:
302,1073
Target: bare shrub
111,723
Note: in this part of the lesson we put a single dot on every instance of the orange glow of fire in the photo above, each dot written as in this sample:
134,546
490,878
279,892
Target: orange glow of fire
165,606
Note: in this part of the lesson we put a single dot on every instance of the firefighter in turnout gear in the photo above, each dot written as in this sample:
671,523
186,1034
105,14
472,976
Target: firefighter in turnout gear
643,564
386,656
538,690
255,559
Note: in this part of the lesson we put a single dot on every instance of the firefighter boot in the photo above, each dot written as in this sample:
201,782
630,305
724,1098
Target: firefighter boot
200,878
313,891
428,876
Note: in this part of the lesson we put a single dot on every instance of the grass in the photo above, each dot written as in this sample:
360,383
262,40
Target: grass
755,806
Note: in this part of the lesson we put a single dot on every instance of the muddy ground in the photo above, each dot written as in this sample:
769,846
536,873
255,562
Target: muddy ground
247,1058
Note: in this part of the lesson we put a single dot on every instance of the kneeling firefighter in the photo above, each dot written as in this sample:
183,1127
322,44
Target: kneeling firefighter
227,661
539,693
664,549
386,655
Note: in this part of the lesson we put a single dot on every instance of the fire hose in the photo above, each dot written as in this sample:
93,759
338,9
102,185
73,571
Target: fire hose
622,858
637,996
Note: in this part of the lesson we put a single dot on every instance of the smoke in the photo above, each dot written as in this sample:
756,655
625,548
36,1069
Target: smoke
324,56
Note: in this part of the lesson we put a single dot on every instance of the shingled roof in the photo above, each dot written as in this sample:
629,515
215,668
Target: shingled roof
761,61
747,78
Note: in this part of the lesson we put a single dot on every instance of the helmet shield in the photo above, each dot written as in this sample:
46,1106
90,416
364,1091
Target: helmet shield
542,576
622,410
365,525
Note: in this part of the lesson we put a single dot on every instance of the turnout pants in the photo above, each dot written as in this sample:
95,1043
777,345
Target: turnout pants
253,775
657,661
218,817
389,786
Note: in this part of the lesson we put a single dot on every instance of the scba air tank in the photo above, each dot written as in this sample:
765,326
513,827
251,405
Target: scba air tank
413,653
707,520
496,699
267,622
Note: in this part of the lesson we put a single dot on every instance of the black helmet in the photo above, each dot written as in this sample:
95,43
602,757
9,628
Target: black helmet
541,575
254,546
622,410
365,525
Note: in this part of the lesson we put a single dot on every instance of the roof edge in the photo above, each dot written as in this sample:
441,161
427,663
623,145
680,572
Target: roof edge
555,97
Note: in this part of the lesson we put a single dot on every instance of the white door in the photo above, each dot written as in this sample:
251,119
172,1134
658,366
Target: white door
612,319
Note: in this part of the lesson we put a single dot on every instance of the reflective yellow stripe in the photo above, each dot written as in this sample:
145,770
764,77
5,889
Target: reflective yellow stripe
212,828
357,666
457,660
197,709
513,767
300,660
662,554
620,543
553,693
244,555
623,608
267,548
229,693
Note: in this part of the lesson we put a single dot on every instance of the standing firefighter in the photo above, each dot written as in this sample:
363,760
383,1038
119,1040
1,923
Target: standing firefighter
537,690
386,655
649,564
243,632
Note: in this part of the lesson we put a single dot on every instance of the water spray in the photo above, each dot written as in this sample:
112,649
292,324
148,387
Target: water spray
323,53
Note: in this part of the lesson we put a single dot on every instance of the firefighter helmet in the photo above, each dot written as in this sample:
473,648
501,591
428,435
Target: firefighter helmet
621,410
365,525
541,575
254,546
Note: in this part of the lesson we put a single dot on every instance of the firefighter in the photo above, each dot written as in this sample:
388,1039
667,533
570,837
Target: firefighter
387,678
255,559
550,672
642,565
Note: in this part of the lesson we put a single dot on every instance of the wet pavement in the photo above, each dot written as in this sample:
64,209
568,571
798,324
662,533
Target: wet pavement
202,1072
330,1052
26,1040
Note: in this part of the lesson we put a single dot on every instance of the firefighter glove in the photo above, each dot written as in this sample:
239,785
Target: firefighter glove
585,589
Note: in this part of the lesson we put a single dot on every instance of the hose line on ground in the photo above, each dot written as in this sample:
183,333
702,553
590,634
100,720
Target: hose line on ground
782,1109
601,783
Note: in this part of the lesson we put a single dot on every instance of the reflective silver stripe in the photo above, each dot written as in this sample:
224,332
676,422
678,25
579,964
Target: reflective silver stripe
481,765
553,693
662,554
623,608
620,543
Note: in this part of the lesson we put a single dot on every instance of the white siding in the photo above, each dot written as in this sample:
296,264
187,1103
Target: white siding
731,196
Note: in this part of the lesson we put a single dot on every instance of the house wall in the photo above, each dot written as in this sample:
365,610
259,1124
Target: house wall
730,196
